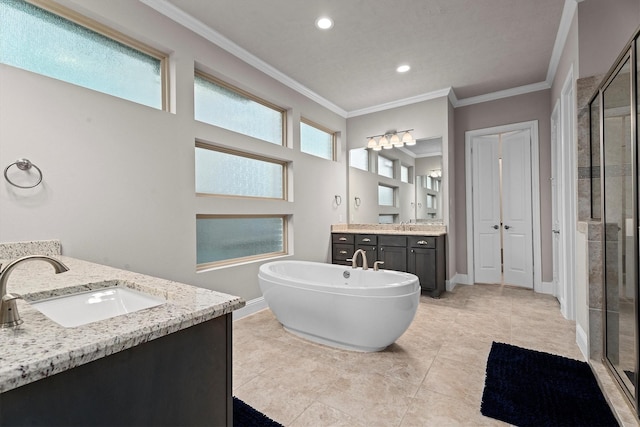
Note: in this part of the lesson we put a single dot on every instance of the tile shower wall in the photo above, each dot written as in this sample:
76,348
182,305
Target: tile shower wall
588,199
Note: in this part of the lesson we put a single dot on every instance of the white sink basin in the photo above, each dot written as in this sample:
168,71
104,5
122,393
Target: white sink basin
91,306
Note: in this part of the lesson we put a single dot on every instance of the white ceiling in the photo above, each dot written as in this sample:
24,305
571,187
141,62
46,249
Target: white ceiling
475,47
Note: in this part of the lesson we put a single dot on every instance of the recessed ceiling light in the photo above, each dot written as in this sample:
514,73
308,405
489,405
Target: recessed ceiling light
324,23
403,68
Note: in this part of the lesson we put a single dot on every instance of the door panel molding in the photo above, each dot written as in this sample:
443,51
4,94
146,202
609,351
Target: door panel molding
532,126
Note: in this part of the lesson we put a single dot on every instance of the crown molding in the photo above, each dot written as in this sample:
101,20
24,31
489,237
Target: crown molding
569,10
401,102
520,90
172,12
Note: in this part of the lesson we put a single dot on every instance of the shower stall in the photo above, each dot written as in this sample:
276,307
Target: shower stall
614,154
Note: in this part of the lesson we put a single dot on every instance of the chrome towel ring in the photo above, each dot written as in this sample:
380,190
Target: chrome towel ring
23,165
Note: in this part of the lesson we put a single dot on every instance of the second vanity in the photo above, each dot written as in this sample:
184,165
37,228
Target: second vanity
165,365
414,248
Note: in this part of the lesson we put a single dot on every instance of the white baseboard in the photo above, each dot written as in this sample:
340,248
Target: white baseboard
582,341
458,279
252,306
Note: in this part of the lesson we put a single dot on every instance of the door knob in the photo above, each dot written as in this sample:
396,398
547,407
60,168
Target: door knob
556,231
495,227
506,227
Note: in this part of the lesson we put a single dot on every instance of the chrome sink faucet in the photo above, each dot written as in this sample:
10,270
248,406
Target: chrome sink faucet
354,259
9,315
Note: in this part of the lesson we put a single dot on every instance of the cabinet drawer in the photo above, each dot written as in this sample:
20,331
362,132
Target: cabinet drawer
342,252
386,240
342,238
422,241
366,239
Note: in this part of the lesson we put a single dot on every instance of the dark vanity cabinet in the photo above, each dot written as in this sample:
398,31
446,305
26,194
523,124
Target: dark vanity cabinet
393,252
423,256
426,259
342,248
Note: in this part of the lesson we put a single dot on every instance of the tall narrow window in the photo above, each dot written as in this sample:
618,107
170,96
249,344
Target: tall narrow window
37,40
228,239
228,173
404,173
385,166
230,108
317,141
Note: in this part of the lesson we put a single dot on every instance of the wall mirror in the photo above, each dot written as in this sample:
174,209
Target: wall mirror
402,184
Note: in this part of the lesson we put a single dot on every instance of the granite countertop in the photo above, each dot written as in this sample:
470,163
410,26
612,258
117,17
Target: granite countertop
40,347
399,229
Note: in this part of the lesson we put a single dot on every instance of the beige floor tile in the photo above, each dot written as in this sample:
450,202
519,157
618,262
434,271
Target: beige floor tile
435,409
319,414
433,375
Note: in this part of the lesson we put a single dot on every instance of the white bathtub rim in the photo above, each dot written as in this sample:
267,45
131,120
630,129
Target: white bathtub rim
325,289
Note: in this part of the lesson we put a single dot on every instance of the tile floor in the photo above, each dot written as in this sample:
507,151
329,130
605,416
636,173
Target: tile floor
432,376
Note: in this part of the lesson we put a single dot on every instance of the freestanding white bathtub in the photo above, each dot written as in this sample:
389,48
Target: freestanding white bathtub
340,306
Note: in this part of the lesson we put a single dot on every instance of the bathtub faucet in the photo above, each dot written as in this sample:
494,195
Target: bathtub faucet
354,260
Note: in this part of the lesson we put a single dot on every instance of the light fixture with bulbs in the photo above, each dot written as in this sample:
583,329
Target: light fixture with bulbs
390,139
435,173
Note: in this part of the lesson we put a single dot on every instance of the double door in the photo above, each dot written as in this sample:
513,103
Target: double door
502,208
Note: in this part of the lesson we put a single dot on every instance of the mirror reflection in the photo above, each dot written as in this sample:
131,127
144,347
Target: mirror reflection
402,184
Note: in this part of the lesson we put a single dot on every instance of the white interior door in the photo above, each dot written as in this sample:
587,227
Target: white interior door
486,209
516,209
556,205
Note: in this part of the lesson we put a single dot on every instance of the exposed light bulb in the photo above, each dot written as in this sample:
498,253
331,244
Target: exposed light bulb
324,23
403,68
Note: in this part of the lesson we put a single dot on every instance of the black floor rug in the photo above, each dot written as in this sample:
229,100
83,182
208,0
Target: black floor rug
531,388
245,416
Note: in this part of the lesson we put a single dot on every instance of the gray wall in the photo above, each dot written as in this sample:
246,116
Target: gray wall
521,108
604,26
118,183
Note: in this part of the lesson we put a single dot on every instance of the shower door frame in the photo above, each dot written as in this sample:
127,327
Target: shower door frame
629,53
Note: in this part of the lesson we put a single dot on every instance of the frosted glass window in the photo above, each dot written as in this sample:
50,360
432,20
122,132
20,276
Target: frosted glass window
44,43
221,106
386,219
232,174
431,201
316,141
386,195
222,239
385,166
404,173
359,158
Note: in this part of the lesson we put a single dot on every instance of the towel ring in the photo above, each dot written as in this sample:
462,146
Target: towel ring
338,200
23,165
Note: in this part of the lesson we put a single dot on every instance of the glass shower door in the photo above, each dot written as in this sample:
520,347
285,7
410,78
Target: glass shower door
619,209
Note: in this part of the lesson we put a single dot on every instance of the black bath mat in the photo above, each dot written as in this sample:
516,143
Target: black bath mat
245,416
531,388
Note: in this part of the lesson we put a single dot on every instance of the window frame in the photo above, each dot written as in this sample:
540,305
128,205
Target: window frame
393,166
220,149
241,260
394,196
334,138
248,95
104,30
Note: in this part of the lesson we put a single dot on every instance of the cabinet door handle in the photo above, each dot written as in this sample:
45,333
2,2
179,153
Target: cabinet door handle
381,249
366,239
343,239
423,242
413,251
343,252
